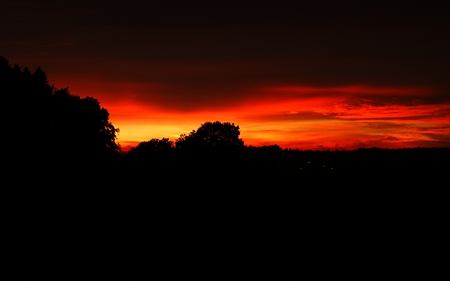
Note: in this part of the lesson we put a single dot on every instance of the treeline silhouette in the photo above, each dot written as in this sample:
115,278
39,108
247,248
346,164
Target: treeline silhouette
68,192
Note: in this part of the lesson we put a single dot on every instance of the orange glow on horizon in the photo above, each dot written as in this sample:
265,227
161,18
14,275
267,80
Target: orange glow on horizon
293,117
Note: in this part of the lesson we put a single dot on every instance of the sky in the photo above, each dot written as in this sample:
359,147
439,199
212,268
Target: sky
308,75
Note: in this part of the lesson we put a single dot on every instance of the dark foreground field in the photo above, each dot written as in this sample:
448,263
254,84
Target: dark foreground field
179,213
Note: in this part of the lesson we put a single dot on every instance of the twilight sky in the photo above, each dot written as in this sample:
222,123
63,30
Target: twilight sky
328,74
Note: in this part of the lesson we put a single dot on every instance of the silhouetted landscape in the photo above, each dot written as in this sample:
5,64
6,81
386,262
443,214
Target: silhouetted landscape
68,188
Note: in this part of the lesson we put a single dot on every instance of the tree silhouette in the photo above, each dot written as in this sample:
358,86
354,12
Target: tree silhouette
212,136
81,126
48,121
28,97
151,147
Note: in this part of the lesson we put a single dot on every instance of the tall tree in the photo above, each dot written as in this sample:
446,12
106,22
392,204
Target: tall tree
42,120
80,126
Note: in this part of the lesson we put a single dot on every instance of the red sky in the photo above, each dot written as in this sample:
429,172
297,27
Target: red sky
328,74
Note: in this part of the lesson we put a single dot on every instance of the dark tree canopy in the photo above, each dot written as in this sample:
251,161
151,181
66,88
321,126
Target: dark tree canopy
212,136
47,121
81,124
152,147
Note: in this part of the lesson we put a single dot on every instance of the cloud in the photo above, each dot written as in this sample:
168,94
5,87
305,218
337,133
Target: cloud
365,111
352,90
288,116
